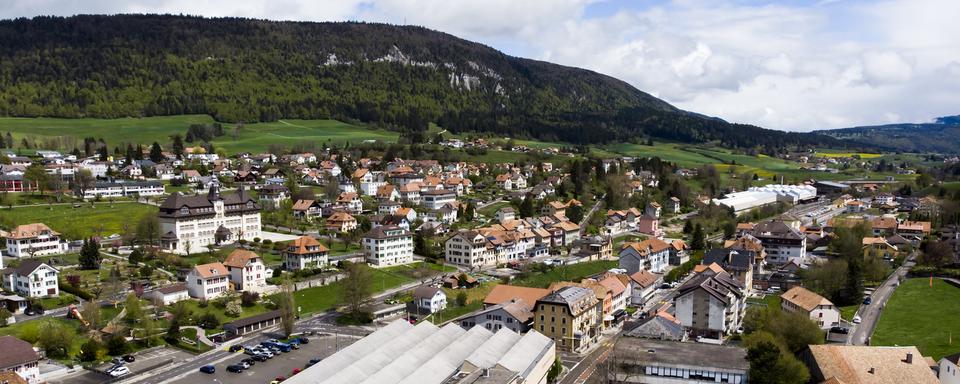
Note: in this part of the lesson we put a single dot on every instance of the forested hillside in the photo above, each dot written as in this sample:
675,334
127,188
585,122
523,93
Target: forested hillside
400,77
942,136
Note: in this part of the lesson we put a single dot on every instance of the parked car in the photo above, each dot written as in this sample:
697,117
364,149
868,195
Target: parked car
840,330
209,369
303,340
856,319
258,357
235,348
129,358
295,371
245,364
867,300
120,371
235,368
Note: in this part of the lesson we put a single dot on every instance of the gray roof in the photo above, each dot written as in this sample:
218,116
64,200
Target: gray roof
687,355
658,327
730,258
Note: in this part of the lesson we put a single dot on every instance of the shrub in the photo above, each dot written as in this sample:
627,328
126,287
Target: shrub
209,320
233,309
117,345
76,291
249,299
89,350
203,303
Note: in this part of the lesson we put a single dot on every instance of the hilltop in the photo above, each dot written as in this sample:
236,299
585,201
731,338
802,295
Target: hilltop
399,77
941,136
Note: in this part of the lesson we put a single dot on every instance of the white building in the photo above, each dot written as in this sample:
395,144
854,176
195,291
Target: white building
247,272
782,242
388,245
305,252
429,299
35,239
437,198
190,223
33,278
768,194
469,249
711,304
816,307
948,369
649,255
643,284
208,281
124,189
171,294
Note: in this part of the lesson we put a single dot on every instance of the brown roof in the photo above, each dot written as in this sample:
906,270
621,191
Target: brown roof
614,284
173,288
649,245
804,298
340,216
853,364
15,352
211,270
10,377
504,293
644,278
239,258
302,205
299,246
713,267
27,231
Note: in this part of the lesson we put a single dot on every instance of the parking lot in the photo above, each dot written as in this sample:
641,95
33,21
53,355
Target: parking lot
281,365
145,360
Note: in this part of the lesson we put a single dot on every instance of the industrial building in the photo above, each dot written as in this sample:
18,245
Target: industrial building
425,354
768,194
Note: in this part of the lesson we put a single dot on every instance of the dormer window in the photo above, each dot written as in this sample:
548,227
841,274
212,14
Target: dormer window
184,211
249,204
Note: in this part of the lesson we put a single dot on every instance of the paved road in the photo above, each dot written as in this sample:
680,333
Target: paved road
870,314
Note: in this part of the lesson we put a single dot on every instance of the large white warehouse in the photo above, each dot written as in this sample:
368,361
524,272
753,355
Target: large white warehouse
768,194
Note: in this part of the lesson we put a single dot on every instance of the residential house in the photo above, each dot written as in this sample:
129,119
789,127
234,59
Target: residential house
388,207
651,255
816,307
878,247
19,357
515,315
653,209
170,294
861,364
35,239
352,201
643,284
272,196
678,252
711,303
505,213
649,225
511,181
388,245
247,271
571,316
307,209
340,222
428,299
33,279
208,281
948,373
305,253
674,204
389,192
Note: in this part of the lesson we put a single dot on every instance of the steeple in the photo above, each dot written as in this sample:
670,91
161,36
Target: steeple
214,193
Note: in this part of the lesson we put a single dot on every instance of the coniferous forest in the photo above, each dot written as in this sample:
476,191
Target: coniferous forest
400,77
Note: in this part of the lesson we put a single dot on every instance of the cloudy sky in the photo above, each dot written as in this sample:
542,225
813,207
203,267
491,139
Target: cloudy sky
789,64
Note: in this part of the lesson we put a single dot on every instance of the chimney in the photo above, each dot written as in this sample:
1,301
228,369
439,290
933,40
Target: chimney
909,359
872,370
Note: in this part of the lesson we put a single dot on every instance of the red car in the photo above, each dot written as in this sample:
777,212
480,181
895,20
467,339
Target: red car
295,371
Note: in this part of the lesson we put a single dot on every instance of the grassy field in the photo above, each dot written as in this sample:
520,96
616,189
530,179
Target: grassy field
921,315
253,137
573,272
676,153
865,156
491,210
318,299
77,223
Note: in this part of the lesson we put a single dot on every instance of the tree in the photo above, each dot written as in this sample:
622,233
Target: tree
575,213
936,254
37,176
849,245
91,313
470,212
148,229
117,345
699,241
208,320
461,299
233,309
357,287
177,146
4,316
526,207
133,312
173,331
770,364
89,350
55,338
287,306
83,181
90,254
136,256
249,299
156,153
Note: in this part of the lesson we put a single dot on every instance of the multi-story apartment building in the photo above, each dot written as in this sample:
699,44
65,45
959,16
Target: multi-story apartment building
437,198
272,196
468,248
208,281
33,278
35,239
711,304
571,316
191,223
651,255
781,242
388,245
247,272
124,189
305,252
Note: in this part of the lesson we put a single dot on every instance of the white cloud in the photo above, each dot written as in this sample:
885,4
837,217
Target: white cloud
778,65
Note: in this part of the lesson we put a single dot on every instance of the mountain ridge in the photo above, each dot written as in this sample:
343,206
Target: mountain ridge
942,135
396,76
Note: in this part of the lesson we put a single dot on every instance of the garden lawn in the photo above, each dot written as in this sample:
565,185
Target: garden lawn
849,311
319,299
920,315
573,272
77,223
491,210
